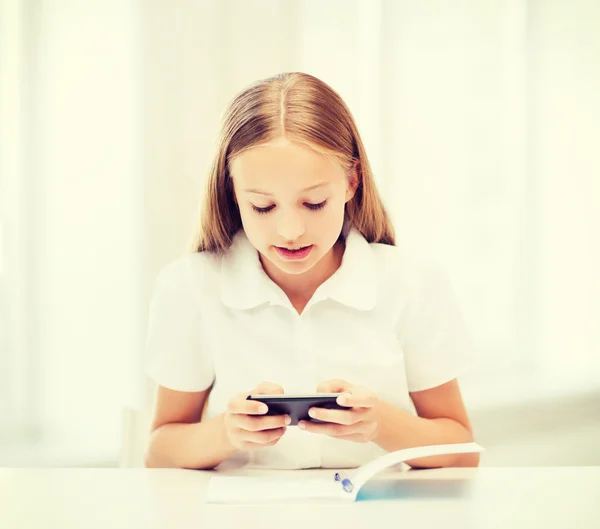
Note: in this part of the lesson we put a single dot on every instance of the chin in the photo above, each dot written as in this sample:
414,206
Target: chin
294,269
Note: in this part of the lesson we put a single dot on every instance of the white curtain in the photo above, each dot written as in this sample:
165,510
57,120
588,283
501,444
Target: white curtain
13,292
479,119
73,232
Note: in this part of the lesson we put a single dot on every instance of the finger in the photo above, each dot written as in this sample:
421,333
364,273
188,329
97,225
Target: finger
346,417
267,388
336,385
368,433
330,429
358,398
257,424
336,430
254,446
240,405
263,437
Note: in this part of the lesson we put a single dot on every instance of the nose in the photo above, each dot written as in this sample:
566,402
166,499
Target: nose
290,226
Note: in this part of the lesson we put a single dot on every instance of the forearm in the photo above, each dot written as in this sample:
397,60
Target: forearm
399,429
201,445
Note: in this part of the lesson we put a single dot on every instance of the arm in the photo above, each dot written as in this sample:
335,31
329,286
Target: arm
442,419
178,438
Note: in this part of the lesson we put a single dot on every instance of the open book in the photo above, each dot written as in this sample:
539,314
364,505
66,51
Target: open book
250,489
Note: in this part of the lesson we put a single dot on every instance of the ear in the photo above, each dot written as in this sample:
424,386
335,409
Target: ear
353,180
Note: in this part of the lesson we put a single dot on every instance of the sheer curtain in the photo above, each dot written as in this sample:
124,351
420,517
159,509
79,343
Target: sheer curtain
478,118
15,402
71,211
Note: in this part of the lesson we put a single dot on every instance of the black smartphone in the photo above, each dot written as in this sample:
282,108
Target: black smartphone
297,406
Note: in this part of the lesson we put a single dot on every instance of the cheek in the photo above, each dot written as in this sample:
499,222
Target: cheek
257,227
332,219
324,228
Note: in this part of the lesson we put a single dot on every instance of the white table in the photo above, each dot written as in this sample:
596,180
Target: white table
465,498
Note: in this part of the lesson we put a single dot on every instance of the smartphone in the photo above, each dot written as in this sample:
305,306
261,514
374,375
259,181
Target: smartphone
297,406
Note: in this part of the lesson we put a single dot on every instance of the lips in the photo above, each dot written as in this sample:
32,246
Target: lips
294,253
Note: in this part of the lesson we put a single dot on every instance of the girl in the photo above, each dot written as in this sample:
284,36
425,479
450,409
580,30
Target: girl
296,285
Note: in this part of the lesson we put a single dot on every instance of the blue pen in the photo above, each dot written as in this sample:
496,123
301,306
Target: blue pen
346,483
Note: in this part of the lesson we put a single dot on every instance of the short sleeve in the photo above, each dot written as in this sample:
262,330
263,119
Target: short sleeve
176,356
436,344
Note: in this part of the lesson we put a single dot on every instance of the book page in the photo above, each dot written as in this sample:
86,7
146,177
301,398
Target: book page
255,489
246,489
364,473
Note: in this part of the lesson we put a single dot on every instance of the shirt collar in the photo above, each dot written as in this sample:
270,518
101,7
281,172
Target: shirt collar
245,285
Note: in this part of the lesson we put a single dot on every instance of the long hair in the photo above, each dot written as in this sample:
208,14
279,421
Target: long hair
306,111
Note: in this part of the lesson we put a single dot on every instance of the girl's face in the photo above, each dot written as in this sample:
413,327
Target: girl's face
291,201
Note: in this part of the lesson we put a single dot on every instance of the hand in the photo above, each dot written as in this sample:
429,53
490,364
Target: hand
246,428
360,423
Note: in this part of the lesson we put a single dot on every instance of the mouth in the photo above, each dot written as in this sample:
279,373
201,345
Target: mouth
294,254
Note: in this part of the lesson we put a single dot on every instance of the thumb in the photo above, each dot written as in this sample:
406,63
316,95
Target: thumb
336,385
265,388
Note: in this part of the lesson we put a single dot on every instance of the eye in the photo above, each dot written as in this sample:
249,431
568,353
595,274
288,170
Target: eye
262,211
314,207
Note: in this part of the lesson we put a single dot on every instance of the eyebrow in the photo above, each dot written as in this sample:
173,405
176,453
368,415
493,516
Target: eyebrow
259,192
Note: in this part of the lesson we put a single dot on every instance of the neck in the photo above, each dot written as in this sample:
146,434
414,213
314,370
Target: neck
300,288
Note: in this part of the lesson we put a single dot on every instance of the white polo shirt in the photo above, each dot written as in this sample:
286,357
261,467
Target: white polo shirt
385,319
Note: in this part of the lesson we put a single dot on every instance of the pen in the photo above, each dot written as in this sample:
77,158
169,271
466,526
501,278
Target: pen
346,483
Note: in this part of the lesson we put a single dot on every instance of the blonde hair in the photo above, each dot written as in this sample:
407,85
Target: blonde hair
307,111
